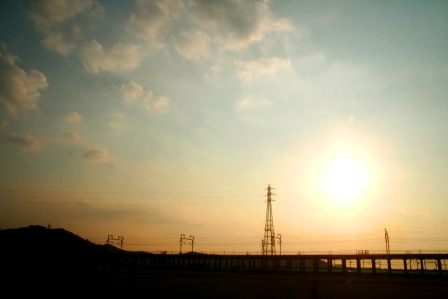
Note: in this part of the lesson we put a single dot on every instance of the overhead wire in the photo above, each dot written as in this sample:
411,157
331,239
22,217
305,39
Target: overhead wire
288,200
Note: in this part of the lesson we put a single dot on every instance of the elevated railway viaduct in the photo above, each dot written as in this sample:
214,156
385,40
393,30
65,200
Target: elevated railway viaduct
425,264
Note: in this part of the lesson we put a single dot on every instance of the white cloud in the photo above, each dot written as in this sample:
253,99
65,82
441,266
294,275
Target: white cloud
18,90
229,24
121,57
262,66
60,22
133,93
237,23
160,104
73,117
153,16
194,45
71,135
27,141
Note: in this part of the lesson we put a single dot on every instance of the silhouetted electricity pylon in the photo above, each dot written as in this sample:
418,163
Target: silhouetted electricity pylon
268,243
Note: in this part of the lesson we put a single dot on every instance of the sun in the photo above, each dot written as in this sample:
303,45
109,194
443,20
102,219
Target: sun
345,179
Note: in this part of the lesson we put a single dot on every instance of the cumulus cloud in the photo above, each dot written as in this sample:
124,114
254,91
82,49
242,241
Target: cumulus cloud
27,141
133,93
121,57
19,90
229,24
96,155
71,135
64,23
152,17
237,23
194,45
73,117
262,66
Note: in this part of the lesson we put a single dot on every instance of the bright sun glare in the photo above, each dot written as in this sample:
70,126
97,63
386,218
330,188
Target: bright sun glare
345,179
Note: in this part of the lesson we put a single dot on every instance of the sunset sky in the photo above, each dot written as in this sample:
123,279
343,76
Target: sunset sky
150,119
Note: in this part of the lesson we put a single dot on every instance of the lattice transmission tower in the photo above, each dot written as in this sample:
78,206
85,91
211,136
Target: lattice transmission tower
268,243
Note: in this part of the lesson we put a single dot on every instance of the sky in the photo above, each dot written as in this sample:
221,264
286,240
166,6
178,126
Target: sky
149,119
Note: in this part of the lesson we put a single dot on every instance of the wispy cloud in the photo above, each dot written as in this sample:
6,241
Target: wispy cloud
251,101
121,57
73,117
247,70
133,93
71,135
225,24
237,24
153,17
19,90
98,155
26,142
194,45
59,22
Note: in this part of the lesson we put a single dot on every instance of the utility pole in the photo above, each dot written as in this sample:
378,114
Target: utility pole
181,241
279,237
182,237
121,240
269,235
192,242
386,237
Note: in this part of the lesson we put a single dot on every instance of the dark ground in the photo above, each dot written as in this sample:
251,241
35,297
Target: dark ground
54,263
128,282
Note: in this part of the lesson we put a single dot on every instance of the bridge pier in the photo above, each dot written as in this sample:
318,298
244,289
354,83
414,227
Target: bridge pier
389,266
405,264
358,265
422,266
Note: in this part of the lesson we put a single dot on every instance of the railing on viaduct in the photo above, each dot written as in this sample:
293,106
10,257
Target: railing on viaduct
369,263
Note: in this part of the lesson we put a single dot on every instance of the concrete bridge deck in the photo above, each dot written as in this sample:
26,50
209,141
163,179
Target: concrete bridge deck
326,263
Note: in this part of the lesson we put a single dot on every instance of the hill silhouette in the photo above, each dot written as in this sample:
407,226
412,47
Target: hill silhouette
56,262
38,239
